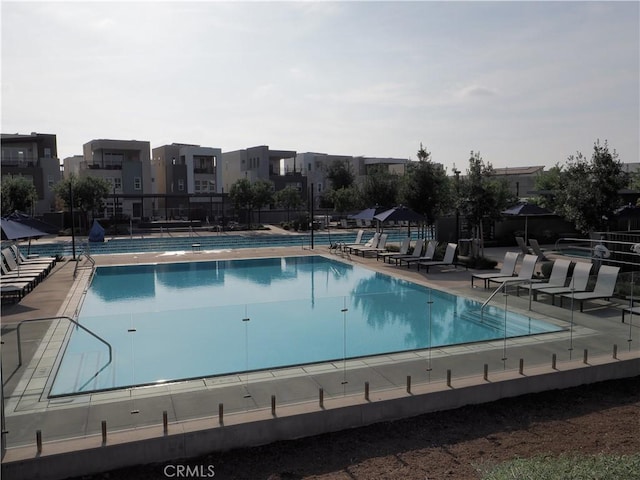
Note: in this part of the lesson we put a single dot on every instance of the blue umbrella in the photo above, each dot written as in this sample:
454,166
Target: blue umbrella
526,210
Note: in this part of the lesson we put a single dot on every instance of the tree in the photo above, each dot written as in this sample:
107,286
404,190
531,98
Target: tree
242,196
288,198
18,193
88,194
549,183
588,191
262,194
340,174
482,196
347,198
380,188
427,189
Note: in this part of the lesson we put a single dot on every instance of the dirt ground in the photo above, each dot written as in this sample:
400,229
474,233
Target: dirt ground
600,418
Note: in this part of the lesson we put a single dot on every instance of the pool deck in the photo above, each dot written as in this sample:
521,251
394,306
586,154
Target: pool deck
72,425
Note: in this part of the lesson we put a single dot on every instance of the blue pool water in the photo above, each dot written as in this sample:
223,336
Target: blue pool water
188,320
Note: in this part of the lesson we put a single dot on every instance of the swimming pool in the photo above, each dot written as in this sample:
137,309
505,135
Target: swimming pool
177,321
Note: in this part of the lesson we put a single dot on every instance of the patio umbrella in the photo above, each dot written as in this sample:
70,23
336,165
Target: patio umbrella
368,213
400,214
628,212
526,210
14,228
33,222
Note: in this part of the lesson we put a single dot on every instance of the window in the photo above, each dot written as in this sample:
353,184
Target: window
198,185
319,188
137,183
180,185
50,181
117,183
47,153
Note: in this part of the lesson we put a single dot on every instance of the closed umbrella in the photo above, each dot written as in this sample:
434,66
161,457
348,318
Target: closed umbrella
526,210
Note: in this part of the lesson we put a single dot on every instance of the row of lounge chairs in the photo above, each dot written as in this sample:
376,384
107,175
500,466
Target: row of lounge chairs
20,275
559,282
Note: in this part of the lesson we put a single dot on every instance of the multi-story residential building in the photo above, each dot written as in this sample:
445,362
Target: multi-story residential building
185,176
34,157
261,162
126,165
521,180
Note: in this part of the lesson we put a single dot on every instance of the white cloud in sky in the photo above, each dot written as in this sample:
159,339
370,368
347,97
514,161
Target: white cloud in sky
524,83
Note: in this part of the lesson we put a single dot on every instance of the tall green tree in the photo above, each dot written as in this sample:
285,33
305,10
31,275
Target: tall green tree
427,188
18,193
242,196
340,174
88,193
482,196
589,189
288,198
549,183
346,199
380,188
262,194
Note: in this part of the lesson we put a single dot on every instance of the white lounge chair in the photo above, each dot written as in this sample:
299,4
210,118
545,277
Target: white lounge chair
526,271
404,248
605,285
578,283
449,257
380,247
357,242
535,246
523,246
372,242
428,255
558,278
417,252
508,269
23,261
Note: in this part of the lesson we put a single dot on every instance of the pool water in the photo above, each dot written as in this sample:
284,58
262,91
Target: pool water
177,321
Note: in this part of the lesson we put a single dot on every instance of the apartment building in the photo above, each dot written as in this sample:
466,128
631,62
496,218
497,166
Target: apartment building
185,177
521,180
261,162
34,157
126,165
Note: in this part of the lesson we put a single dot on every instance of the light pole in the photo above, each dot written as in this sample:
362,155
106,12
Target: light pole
456,172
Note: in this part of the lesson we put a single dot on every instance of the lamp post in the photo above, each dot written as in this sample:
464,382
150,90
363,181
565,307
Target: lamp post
456,172
73,225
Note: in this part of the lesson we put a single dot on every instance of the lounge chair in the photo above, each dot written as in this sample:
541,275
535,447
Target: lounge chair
355,244
578,283
13,293
404,248
428,255
380,247
605,285
558,278
631,311
508,269
11,268
526,271
449,257
23,261
535,246
417,252
523,246
372,242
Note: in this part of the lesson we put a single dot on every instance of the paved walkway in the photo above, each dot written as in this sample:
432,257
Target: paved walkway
28,409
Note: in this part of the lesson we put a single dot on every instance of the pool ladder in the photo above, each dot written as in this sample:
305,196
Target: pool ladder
87,255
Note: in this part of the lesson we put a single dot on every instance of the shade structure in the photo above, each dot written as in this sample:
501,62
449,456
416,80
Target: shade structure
628,212
33,222
368,213
526,210
400,214
12,230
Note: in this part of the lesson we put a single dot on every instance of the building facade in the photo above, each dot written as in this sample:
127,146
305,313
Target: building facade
34,157
126,165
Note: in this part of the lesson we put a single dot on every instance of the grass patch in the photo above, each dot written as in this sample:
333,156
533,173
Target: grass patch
566,467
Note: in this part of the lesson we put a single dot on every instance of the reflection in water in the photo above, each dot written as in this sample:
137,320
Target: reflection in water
123,283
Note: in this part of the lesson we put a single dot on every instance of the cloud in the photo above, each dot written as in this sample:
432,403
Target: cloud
475,91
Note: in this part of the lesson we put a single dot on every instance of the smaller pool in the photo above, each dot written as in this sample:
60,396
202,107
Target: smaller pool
189,320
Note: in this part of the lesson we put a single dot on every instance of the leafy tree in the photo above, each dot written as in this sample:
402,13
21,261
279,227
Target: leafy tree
262,194
549,183
242,196
482,196
347,198
427,189
18,193
288,198
340,174
88,194
380,188
588,193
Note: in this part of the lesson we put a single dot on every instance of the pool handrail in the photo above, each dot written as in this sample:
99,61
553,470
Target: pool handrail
514,281
29,320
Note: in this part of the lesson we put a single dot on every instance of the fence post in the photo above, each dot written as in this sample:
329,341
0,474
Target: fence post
553,361
408,383
486,372
521,368
220,413
448,378
165,422
585,356
39,441
366,391
104,432
273,405
321,397
615,351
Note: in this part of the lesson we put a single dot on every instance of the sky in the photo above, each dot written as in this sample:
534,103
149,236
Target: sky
523,83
